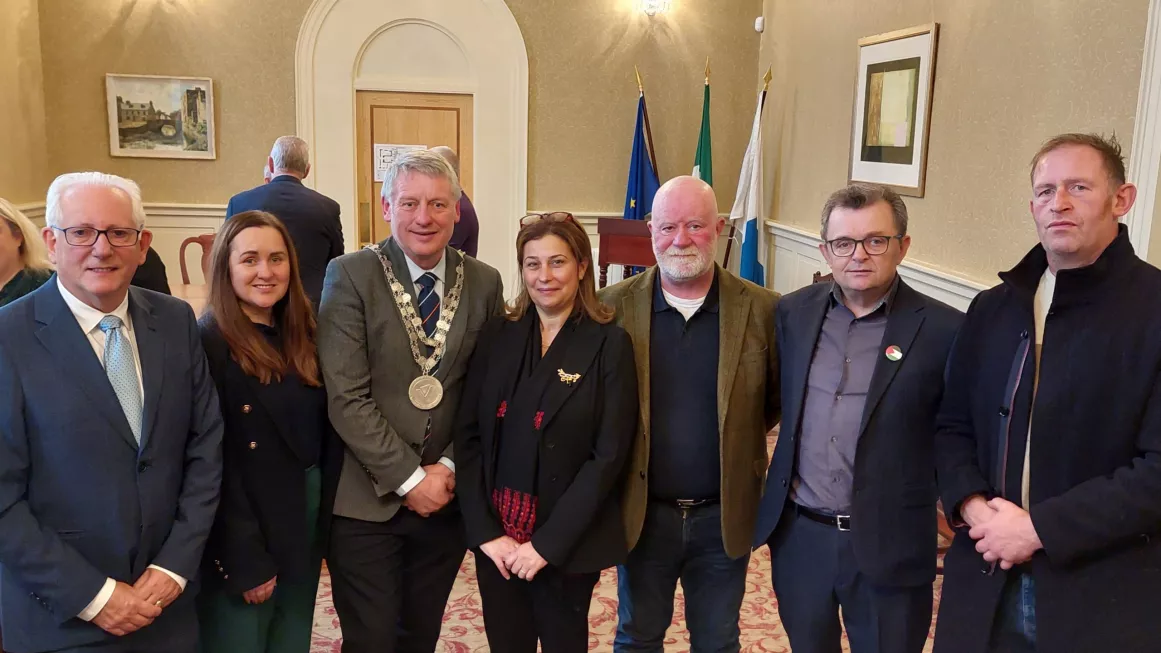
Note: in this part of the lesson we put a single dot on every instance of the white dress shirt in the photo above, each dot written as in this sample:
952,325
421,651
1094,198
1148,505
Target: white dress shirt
440,272
89,318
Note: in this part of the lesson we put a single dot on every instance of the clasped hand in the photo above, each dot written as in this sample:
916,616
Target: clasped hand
510,558
1003,531
132,608
434,492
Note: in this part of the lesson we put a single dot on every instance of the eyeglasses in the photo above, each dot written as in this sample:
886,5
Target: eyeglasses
872,245
87,236
555,216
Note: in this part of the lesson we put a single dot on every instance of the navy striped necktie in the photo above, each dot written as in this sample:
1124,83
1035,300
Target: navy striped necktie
428,302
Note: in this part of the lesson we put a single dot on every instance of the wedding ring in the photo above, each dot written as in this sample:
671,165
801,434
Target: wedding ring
158,604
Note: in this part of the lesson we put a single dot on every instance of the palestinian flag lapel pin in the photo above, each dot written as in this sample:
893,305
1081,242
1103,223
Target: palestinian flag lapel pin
894,353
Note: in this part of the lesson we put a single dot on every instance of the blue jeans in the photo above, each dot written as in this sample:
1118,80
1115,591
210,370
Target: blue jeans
1014,628
683,544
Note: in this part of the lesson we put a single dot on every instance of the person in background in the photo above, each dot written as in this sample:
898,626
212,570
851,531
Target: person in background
110,441
1048,447
311,218
849,507
24,264
281,456
548,415
466,235
150,275
708,366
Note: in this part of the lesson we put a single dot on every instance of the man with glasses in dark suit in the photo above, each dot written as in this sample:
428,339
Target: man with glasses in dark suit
849,509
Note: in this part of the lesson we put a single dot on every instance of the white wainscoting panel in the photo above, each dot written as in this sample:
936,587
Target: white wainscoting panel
796,258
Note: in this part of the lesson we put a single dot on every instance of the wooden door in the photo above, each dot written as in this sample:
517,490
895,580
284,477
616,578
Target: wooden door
427,119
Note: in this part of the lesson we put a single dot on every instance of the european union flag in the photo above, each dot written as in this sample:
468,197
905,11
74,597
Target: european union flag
643,182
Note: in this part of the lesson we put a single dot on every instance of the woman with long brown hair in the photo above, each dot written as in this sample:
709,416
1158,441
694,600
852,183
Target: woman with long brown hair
280,454
547,418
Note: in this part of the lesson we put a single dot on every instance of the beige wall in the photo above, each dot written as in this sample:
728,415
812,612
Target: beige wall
246,46
582,89
23,148
583,93
1008,75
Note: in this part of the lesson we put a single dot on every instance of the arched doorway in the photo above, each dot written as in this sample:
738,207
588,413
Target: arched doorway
470,46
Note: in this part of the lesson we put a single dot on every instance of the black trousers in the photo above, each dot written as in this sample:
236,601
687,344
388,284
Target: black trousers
391,580
553,607
815,577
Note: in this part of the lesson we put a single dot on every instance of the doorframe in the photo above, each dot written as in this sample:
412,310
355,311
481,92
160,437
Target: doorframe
334,37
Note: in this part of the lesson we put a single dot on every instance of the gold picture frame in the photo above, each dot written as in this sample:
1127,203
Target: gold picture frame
891,120
160,117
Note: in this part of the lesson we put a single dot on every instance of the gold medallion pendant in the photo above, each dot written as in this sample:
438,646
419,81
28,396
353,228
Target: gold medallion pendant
425,392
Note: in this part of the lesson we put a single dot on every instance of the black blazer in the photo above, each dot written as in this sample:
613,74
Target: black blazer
893,509
586,432
311,218
260,529
1095,482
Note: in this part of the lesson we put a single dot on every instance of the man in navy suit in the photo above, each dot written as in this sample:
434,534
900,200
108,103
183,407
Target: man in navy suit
311,217
110,441
849,507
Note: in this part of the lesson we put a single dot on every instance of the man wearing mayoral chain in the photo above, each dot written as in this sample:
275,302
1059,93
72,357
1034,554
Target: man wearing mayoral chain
397,327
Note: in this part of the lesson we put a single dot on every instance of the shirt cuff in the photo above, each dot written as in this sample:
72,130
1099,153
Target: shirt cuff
177,579
447,462
98,603
409,485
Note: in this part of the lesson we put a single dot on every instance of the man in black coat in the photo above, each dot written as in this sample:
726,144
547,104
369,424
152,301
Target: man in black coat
1049,440
311,217
849,506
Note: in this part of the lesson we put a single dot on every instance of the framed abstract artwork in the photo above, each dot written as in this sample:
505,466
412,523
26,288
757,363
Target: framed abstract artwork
160,117
889,135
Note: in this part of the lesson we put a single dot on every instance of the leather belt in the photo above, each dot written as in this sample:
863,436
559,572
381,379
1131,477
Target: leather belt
841,522
686,504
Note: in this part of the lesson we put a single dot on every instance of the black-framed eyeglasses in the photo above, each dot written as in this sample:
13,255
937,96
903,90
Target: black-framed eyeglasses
555,216
87,236
872,245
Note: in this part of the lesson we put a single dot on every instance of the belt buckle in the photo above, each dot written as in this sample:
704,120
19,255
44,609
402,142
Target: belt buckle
843,522
686,504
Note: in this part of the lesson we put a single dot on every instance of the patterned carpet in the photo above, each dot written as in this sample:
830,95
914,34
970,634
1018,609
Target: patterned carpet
463,622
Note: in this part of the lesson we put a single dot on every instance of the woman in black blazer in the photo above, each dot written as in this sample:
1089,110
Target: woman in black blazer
281,457
547,419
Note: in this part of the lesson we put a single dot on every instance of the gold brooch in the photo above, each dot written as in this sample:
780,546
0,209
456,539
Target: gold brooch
566,378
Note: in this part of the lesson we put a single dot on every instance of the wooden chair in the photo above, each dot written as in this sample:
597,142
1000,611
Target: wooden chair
819,277
207,244
623,242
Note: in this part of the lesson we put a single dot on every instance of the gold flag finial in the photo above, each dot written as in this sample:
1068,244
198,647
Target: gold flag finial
766,80
640,86
707,71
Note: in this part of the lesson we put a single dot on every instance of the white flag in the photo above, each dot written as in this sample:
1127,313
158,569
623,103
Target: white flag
750,205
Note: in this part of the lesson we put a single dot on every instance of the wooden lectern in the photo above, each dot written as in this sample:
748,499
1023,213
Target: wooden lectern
623,242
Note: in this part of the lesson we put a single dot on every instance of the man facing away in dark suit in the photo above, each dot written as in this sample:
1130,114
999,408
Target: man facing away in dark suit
110,441
397,327
311,217
849,509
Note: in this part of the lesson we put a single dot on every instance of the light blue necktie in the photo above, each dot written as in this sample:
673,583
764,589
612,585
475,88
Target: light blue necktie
122,371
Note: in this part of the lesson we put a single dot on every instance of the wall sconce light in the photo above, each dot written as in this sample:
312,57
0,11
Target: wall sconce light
654,7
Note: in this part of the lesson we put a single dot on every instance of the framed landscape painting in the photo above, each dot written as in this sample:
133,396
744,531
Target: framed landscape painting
892,114
160,117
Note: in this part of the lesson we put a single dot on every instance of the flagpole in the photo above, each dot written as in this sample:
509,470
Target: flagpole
733,228
648,130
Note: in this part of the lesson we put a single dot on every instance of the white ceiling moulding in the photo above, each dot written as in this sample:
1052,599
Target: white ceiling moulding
1145,155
